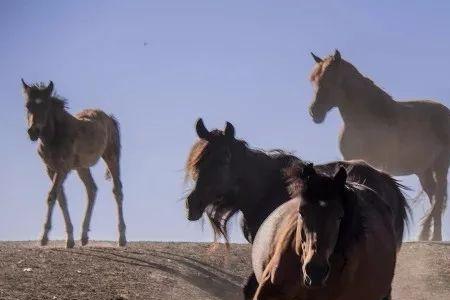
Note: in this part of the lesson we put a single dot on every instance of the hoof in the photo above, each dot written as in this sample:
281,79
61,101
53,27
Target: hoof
424,235
84,241
70,244
122,242
44,241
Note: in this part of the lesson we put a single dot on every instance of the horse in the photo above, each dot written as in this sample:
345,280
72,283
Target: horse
231,177
333,240
73,142
401,138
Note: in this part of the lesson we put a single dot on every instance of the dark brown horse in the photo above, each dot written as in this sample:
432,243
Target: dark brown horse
68,142
332,241
230,177
414,135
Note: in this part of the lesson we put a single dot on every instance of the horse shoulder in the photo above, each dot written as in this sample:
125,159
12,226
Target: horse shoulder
266,237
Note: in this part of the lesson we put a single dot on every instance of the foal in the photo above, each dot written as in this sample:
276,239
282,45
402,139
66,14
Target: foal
68,142
332,241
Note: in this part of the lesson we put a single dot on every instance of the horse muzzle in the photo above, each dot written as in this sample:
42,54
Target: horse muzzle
315,275
194,211
318,117
33,133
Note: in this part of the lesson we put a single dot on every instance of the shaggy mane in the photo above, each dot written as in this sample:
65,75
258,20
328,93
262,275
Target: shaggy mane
57,100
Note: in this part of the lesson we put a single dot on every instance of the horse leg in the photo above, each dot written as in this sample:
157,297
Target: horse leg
112,162
62,200
91,191
389,296
57,181
250,287
429,186
440,199
246,230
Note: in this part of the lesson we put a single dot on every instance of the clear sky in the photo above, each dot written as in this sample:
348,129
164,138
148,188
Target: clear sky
159,65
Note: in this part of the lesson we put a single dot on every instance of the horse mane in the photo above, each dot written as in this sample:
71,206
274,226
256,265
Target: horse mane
57,101
220,212
381,102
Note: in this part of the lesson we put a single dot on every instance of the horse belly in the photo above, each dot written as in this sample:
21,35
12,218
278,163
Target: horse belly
90,144
396,153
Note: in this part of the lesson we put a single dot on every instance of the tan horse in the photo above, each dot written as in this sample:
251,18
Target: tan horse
68,143
401,138
333,241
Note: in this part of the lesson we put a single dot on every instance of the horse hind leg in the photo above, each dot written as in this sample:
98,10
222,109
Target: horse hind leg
91,191
112,161
440,198
429,186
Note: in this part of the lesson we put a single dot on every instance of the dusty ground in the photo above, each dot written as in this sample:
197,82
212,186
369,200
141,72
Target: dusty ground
176,271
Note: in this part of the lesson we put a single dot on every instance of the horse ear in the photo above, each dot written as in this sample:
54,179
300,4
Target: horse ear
316,58
229,130
25,86
307,171
202,132
337,56
49,88
340,177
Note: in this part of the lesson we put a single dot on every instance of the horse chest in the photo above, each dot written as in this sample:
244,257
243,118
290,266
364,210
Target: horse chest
56,156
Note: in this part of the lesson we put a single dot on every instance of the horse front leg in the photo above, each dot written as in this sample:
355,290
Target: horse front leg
62,200
250,287
57,181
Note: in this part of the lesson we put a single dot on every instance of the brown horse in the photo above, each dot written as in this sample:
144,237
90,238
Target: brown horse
332,241
415,135
68,143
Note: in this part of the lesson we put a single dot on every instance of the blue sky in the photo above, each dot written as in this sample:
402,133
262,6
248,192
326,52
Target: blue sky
159,65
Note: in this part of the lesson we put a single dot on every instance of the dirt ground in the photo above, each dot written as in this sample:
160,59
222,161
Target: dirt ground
149,270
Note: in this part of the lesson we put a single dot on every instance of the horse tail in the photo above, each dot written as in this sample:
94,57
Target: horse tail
114,142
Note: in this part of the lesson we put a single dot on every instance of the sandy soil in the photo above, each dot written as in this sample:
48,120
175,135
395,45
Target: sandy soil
148,270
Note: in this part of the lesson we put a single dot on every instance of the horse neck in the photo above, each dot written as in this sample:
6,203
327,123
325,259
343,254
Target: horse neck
58,125
364,101
262,188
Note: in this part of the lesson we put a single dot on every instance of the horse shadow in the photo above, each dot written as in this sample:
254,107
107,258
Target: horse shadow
217,285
